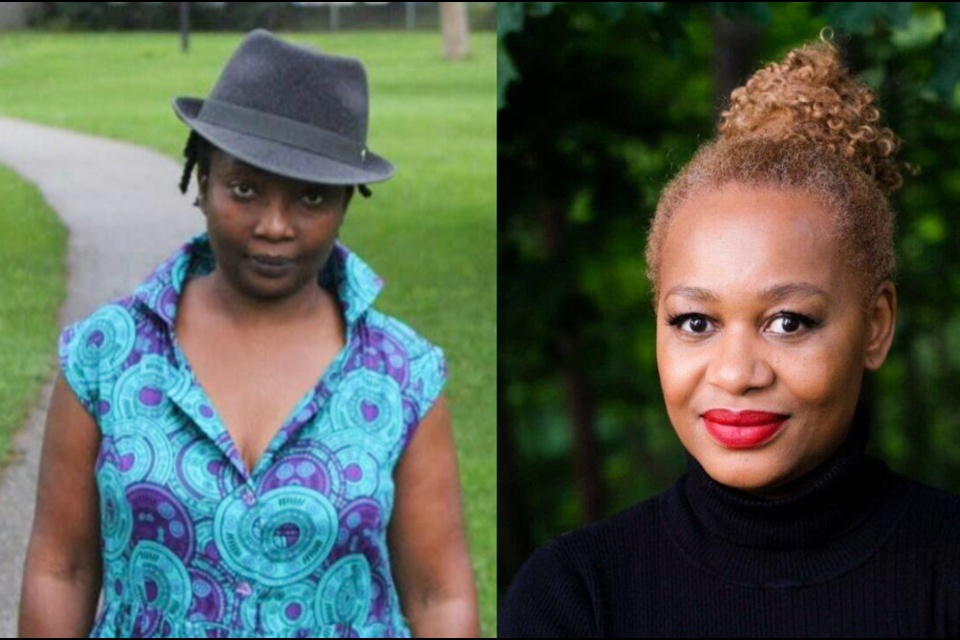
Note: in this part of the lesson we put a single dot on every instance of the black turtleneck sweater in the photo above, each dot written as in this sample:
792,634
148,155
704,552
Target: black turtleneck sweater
857,550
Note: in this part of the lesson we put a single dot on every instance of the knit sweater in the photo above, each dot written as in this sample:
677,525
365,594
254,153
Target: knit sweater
857,550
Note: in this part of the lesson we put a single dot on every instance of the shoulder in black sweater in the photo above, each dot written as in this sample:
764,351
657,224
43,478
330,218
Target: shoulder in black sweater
862,551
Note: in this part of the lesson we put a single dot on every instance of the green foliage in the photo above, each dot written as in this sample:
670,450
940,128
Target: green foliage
859,18
32,288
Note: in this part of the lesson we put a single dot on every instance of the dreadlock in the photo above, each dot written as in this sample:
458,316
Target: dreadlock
189,152
196,152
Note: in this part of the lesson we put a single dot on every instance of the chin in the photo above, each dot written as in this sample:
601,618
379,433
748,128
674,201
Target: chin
740,472
268,289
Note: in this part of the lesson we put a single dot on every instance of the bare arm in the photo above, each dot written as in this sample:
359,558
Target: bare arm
428,547
63,572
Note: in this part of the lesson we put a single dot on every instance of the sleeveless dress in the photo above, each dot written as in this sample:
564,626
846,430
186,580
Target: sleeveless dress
195,546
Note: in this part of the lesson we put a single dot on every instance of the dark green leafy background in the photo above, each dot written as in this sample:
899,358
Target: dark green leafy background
599,105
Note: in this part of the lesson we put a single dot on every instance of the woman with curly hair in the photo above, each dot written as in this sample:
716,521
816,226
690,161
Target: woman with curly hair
772,264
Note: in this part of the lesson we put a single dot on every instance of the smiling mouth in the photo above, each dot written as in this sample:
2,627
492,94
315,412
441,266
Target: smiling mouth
743,437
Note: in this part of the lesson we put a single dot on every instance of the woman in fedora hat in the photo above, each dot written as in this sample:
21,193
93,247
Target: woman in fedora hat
275,455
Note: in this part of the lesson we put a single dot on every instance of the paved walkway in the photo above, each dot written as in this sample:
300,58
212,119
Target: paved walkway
125,214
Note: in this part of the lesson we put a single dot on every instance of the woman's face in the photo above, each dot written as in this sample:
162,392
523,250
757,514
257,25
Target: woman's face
742,349
254,213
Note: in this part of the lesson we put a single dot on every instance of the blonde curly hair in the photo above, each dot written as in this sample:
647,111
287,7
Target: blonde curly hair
804,123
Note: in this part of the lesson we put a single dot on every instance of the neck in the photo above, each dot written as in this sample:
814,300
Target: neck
822,525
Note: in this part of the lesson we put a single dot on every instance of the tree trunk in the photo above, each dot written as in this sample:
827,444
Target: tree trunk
456,34
735,56
514,542
580,402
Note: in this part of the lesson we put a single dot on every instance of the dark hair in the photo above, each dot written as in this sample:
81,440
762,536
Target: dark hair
197,152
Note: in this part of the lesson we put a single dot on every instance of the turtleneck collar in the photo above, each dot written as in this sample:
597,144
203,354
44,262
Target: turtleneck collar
831,519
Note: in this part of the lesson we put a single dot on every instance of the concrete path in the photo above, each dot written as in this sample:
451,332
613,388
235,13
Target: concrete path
125,214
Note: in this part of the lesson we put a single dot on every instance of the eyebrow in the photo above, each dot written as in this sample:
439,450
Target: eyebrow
239,165
772,293
235,166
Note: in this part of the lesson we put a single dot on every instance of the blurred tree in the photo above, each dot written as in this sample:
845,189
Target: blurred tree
455,30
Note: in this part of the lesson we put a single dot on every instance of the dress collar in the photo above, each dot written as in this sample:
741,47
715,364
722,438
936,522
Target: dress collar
838,515
356,284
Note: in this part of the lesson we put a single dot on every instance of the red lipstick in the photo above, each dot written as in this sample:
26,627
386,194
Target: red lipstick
743,429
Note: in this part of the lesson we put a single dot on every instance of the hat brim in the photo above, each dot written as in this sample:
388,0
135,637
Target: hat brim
279,158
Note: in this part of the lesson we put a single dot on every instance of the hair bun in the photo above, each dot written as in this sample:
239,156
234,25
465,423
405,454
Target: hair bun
810,95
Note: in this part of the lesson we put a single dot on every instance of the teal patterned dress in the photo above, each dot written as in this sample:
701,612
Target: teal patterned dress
195,546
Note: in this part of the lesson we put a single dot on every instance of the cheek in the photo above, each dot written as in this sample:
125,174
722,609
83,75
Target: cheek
678,369
229,221
228,247
819,374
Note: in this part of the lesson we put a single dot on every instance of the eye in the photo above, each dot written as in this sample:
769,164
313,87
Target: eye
314,198
699,320
243,186
792,323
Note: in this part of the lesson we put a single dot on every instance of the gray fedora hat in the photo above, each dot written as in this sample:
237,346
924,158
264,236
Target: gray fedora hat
291,110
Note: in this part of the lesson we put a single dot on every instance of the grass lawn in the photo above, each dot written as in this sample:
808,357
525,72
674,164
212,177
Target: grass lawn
32,288
430,231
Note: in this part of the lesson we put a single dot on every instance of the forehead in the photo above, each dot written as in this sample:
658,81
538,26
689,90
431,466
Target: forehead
228,163
741,243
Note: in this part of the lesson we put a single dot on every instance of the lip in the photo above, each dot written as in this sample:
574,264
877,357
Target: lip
270,267
744,429
746,418
272,259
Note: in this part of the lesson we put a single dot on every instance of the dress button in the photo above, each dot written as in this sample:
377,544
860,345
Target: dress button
248,497
243,588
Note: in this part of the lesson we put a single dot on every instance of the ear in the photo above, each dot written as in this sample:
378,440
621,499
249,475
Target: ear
881,323
203,182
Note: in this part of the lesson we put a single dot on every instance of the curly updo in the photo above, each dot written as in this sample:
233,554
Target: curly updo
804,123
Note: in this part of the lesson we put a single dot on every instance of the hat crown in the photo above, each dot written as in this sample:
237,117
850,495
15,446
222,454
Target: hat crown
298,82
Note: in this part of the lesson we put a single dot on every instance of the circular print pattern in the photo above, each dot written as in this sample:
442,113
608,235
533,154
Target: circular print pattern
162,587
284,611
200,472
116,518
140,390
360,456
143,451
344,593
212,601
371,402
158,516
280,538
315,468
106,339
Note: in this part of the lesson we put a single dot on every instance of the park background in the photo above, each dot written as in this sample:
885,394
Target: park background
599,105
112,69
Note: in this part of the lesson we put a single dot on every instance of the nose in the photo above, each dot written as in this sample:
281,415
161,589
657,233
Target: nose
274,221
738,363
